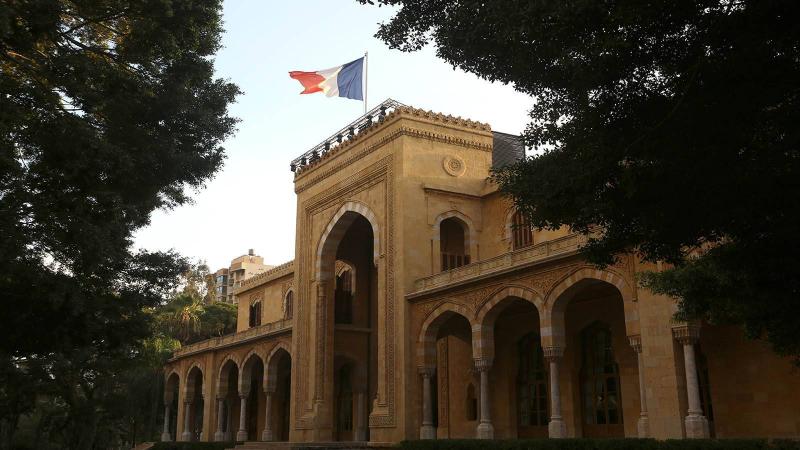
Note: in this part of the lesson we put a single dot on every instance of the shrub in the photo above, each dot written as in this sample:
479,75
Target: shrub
601,444
193,445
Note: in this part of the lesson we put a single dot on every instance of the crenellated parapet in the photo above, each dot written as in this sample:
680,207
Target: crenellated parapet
265,277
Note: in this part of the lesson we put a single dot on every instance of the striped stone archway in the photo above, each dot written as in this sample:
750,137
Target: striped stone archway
337,227
426,341
553,332
483,328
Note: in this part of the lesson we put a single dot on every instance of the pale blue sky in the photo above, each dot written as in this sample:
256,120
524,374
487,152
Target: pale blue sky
251,202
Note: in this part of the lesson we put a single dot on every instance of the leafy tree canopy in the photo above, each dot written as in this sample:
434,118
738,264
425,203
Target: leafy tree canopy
109,109
670,125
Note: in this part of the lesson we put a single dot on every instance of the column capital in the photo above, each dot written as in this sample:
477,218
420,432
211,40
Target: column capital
483,364
244,394
687,333
636,342
553,353
426,371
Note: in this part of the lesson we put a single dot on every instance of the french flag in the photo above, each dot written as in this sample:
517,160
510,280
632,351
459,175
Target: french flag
340,81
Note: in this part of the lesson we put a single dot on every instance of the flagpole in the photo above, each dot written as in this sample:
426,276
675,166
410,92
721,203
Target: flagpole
366,81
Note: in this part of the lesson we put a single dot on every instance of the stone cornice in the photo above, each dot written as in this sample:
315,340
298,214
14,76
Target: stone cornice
443,190
444,119
635,341
276,272
553,353
426,372
687,333
268,329
320,171
559,248
483,364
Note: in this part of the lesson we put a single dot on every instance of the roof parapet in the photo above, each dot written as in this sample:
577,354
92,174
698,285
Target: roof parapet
348,133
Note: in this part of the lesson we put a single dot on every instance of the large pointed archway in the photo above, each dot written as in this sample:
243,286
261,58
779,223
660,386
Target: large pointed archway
590,317
347,322
193,405
278,394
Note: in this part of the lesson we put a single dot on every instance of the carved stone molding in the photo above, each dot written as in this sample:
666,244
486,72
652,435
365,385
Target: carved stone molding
483,364
228,340
434,117
315,208
565,247
443,383
636,342
553,353
282,270
454,165
686,334
426,372
318,172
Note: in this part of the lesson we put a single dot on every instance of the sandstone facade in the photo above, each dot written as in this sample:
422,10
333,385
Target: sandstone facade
419,306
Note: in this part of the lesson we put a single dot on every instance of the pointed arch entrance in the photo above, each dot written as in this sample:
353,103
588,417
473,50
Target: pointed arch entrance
171,388
589,318
278,394
350,241
193,405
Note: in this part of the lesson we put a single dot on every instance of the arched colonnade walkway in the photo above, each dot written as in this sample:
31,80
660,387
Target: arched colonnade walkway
252,398
521,364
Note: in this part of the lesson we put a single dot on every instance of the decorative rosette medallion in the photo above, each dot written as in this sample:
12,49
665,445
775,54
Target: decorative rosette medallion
454,165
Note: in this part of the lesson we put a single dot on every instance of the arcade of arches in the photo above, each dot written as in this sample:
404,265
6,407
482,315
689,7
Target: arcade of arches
421,306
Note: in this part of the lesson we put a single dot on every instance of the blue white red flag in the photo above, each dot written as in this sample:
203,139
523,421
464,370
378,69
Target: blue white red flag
340,81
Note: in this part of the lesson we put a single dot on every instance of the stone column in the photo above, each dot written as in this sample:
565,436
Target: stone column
643,424
696,423
322,429
360,434
427,431
267,435
220,435
485,428
229,418
165,436
187,411
556,427
241,435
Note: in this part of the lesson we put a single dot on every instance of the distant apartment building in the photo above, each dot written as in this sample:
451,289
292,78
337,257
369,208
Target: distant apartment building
226,279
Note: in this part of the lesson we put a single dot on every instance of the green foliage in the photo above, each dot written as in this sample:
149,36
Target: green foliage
218,319
671,126
187,319
600,444
109,110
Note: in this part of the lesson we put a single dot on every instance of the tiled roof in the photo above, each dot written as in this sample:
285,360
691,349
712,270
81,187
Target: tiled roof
508,149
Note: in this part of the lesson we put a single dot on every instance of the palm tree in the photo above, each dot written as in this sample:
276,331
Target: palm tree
185,322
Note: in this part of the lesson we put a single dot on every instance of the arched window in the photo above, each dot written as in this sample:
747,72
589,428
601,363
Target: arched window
453,241
472,403
532,383
255,313
602,406
344,298
288,305
521,233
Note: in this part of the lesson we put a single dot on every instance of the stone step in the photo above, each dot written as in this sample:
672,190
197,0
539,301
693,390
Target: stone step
257,445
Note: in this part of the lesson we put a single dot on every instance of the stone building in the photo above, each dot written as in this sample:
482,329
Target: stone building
420,305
